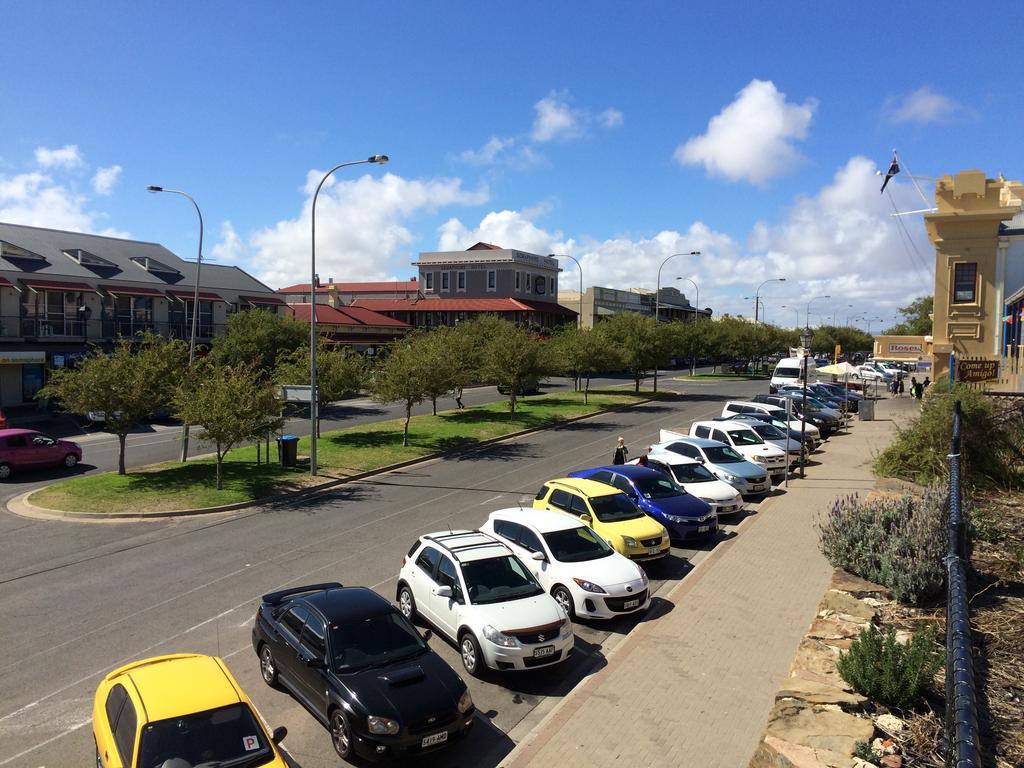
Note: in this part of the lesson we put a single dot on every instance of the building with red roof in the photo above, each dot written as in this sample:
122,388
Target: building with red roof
359,327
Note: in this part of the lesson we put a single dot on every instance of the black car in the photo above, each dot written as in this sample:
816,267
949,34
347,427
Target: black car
766,419
825,422
362,669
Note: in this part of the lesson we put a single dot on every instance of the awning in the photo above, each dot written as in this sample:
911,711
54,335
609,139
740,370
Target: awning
4,282
203,295
125,290
54,285
264,300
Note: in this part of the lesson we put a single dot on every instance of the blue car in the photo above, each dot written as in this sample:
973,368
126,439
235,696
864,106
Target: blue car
683,515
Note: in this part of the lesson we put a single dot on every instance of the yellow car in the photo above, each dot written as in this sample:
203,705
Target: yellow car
609,512
179,711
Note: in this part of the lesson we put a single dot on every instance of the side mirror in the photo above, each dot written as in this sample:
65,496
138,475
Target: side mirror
427,634
538,556
278,735
442,591
586,519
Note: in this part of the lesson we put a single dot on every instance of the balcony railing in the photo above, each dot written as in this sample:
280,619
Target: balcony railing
53,329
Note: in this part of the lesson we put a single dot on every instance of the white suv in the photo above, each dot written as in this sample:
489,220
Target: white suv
477,593
746,442
577,568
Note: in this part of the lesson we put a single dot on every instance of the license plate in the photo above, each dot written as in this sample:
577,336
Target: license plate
544,650
630,604
434,738
653,550
704,529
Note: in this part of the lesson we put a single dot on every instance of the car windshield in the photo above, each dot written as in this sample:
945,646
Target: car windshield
787,373
228,736
374,641
768,432
614,508
692,473
745,437
816,403
657,487
722,455
576,545
497,579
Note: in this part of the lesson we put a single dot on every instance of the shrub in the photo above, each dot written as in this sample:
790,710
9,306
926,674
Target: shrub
888,672
898,542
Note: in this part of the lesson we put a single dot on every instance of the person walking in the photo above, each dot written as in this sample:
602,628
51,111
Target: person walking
927,381
621,452
916,388
458,398
899,384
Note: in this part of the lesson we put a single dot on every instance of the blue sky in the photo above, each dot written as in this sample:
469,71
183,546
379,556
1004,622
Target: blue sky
617,132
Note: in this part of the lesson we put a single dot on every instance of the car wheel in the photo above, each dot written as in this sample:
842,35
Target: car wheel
341,735
5,471
564,598
469,649
406,603
70,461
268,667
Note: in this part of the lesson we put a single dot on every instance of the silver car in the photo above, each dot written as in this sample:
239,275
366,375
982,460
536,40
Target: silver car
723,461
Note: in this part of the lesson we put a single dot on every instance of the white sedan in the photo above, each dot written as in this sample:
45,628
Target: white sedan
574,565
698,480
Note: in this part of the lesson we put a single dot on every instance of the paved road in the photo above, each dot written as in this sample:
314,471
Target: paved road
80,599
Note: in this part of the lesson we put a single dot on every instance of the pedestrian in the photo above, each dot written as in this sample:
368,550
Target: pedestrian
458,398
642,461
899,382
621,452
893,387
927,381
917,389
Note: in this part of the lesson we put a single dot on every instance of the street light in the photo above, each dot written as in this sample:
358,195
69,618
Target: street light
808,315
849,306
758,292
806,336
195,301
796,313
696,295
567,256
313,404
657,299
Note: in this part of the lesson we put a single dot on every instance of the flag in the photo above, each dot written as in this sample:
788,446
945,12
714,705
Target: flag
894,168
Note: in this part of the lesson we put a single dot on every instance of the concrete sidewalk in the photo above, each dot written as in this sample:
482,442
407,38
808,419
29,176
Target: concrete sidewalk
694,686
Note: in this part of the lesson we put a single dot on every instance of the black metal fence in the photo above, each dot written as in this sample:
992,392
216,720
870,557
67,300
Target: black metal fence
962,748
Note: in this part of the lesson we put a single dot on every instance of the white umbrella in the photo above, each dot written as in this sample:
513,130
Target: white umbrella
839,369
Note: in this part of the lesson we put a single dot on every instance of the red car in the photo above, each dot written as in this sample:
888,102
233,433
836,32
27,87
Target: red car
22,449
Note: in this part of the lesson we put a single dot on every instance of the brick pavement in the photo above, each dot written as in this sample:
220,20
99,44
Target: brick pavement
694,687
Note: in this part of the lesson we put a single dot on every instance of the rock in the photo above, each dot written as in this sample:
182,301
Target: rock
845,603
891,761
830,628
858,763
856,586
815,692
776,753
890,724
820,729
816,661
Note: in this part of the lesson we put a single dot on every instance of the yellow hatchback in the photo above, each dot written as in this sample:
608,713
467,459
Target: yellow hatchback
179,711
611,513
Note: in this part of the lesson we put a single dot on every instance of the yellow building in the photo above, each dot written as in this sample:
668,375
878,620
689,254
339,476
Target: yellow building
979,263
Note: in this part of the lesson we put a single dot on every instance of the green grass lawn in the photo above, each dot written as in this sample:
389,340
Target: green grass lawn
172,486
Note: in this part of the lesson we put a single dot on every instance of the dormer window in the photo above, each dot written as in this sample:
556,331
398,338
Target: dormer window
87,259
12,251
154,266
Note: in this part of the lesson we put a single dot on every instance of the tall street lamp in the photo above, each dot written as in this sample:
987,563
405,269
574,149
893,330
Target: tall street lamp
313,399
796,313
567,256
195,301
806,335
849,306
808,315
657,299
758,292
696,295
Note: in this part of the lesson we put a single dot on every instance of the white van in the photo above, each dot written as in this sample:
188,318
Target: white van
790,370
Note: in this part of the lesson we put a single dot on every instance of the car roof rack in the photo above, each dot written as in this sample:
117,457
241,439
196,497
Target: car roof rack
455,549
278,597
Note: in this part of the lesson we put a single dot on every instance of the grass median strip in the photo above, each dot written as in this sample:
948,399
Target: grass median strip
172,486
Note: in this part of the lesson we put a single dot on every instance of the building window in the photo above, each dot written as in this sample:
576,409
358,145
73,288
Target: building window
128,315
492,280
460,280
444,281
428,280
965,278
517,280
180,317
551,286
526,288
51,313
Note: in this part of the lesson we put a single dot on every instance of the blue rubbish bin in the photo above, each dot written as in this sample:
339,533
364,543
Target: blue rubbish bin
288,450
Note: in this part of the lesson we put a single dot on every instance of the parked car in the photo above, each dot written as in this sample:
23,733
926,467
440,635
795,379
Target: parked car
827,422
722,460
184,709
3,420
790,370
750,445
572,562
823,396
361,668
615,517
697,480
772,435
756,420
868,372
684,516
775,414
479,595
23,449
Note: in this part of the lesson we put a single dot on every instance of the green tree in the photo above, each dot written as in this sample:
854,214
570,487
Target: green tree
401,378
512,357
581,353
136,379
230,404
917,319
465,354
340,372
638,342
438,369
260,338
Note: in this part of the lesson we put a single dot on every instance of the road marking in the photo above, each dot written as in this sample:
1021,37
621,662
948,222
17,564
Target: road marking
488,501
50,740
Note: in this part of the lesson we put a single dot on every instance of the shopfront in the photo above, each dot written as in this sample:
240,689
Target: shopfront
21,376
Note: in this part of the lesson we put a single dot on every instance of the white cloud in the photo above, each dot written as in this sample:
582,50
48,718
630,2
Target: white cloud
360,226
555,119
230,249
488,153
67,156
36,200
610,118
924,105
752,138
105,179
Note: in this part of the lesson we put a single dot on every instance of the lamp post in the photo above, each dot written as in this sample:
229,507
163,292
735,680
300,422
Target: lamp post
806,335
849,306
796,313
567,256
807,324
313,399
696,295
657,299
757,292
195,301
